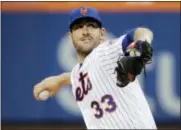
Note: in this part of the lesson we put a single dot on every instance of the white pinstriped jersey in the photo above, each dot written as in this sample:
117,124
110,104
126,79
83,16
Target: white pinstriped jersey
103,104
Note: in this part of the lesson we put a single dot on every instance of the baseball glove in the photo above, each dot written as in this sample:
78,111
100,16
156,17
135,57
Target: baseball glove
137,55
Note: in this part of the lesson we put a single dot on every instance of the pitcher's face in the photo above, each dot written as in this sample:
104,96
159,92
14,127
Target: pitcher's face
86,34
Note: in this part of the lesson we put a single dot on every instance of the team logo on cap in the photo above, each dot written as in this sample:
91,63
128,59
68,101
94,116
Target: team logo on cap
83,11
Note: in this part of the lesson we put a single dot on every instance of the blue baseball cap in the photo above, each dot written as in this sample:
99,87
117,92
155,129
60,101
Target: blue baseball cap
84,12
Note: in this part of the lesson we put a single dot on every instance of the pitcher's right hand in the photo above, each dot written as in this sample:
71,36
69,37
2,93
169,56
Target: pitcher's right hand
51,84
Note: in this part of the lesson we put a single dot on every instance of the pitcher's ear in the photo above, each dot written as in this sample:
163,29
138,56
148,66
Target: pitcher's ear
103,33
69,35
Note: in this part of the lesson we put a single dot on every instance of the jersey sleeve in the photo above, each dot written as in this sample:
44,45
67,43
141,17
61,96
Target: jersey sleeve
127,40
110,51
73,72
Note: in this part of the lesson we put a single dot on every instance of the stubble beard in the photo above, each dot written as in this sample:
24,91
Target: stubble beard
84,52
81,50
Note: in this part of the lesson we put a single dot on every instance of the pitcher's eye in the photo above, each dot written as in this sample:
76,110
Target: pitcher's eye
93,25
77,27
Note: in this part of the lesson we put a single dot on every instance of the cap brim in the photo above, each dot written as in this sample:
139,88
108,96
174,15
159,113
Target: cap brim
86,17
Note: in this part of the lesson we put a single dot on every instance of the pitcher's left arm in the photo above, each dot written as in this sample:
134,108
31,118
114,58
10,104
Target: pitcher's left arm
137,51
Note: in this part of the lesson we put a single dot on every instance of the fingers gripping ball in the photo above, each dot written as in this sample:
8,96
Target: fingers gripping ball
133,52
141,49
44,95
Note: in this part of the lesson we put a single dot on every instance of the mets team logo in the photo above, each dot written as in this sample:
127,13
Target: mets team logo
83,11
84,86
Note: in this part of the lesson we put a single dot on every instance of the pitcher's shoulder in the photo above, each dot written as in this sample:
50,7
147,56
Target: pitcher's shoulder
75,69
106,43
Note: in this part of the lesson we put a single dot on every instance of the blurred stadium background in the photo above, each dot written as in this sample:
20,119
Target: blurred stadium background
35,45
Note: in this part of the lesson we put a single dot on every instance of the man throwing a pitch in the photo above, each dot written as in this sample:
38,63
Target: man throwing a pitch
104,81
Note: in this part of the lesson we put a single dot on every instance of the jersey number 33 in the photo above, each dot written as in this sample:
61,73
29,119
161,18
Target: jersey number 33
106,103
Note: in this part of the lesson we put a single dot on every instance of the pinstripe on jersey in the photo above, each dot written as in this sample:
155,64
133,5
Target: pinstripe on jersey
102,103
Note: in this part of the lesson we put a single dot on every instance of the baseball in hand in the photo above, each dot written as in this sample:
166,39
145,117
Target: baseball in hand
44,95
